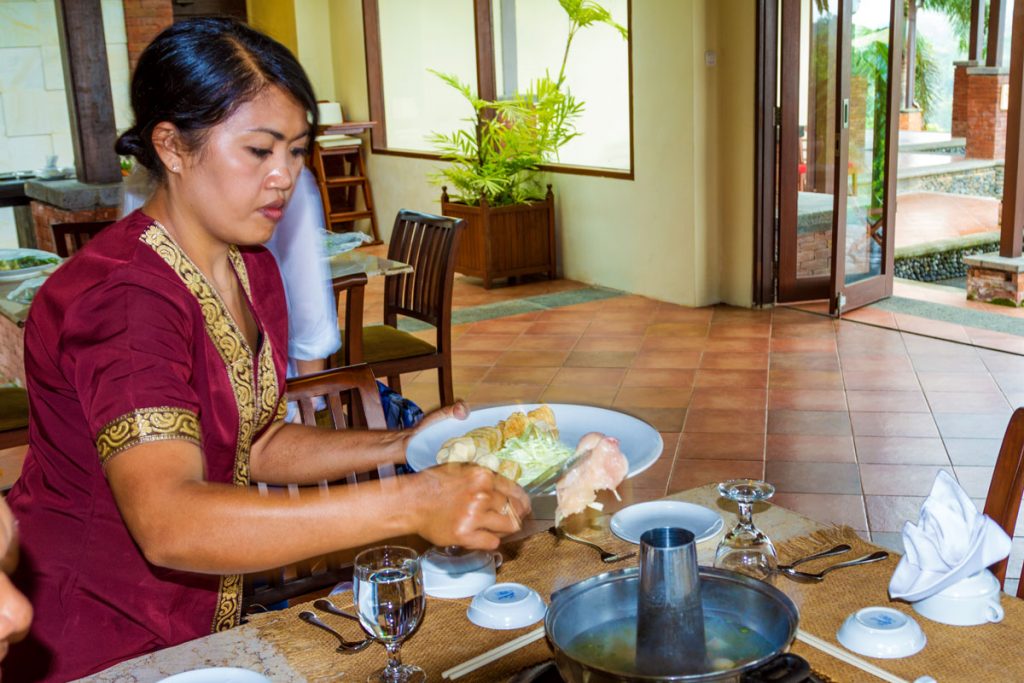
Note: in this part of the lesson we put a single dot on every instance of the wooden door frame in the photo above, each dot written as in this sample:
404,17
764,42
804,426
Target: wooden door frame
878,286
765,150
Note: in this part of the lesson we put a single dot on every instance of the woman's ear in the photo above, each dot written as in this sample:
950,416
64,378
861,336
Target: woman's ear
169,146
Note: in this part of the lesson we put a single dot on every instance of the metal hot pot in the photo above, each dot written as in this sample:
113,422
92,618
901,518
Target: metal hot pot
613,596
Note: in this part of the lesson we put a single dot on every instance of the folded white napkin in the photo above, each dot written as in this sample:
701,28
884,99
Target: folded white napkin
950,541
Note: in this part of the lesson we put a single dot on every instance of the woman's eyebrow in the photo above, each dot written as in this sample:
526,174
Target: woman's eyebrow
278,135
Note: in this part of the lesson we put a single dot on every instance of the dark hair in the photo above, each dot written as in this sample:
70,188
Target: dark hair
196,73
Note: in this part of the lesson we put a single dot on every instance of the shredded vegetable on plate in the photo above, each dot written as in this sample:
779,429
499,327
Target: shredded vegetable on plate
534,452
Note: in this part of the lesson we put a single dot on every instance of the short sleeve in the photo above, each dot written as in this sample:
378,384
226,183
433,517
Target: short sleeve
126,349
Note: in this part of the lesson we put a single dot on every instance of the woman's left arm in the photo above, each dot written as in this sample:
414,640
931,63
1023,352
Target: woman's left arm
296,454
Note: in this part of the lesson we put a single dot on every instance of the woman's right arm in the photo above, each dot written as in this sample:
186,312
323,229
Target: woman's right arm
232,529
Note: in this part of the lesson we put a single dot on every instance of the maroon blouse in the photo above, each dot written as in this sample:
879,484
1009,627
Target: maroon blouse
128,343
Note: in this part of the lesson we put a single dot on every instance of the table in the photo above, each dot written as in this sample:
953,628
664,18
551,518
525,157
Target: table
243,647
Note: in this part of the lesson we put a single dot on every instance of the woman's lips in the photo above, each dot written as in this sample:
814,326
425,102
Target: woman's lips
273,212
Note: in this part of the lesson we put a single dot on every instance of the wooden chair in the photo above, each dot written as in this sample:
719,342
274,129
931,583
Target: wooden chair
13,417
1004,493
428,244
340,386
70,237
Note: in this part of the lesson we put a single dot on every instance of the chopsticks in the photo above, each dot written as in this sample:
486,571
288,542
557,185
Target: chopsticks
844,656
497,653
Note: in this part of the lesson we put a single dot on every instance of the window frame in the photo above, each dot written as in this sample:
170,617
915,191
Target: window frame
486,86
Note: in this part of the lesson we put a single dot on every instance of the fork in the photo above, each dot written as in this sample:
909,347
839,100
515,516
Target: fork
606,556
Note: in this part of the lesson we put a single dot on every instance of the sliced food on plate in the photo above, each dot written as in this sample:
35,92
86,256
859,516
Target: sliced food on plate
519,447
525,446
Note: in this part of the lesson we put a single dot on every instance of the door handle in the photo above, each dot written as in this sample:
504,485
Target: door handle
846,113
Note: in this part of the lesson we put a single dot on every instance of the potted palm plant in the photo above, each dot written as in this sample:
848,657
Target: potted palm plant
495,165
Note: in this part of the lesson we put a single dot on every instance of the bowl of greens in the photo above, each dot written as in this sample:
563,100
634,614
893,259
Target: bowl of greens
21,264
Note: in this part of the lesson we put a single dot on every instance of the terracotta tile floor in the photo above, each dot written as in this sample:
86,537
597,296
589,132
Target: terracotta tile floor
851,422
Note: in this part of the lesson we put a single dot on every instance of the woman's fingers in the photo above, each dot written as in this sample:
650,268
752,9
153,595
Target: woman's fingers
458,410
515,494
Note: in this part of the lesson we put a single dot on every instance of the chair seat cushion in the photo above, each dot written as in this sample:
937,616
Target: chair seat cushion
13,408
383,342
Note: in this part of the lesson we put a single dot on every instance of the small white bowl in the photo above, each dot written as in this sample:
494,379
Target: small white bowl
506,606
459,575
971,601
881,632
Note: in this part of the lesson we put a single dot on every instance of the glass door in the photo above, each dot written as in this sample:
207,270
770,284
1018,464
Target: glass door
808,87
870,40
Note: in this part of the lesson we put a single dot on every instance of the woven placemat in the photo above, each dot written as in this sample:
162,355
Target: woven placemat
446,637
953,653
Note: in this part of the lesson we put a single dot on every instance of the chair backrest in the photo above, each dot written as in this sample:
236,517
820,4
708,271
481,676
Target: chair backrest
1004,493
70,237
356,388
428,244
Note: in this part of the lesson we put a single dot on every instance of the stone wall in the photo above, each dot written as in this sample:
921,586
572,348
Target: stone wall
979,182
938,265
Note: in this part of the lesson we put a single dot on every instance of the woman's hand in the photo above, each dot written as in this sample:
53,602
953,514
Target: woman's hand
458,410
15,611
467,505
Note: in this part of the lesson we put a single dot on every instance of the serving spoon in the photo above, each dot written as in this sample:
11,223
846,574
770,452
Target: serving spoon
876,556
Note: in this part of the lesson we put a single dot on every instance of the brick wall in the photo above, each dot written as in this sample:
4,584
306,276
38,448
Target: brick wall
143,20
814,254
44,215
986,121
960,79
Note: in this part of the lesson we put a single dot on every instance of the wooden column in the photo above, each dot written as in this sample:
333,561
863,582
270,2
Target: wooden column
87,84
1013,184
996,20
977,31
908,96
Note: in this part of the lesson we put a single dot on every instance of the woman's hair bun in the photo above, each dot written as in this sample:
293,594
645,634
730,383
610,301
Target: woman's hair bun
130,144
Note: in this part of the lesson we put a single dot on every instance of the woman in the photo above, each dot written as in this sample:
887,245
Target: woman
156,362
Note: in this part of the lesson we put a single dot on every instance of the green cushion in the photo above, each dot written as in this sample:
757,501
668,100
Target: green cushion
13,408
383,342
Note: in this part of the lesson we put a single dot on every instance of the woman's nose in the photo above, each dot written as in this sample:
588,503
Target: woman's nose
280,178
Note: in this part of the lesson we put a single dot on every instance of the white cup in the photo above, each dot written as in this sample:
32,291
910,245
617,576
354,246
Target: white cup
968,602
458,575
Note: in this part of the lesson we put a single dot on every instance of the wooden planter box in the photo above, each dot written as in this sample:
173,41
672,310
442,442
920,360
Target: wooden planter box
504,241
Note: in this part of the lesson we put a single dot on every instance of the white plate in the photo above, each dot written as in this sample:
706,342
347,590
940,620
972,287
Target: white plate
631,522
25,273
640,442
220,674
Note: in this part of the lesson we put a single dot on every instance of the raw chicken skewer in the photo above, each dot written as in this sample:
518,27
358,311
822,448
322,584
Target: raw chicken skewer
602,467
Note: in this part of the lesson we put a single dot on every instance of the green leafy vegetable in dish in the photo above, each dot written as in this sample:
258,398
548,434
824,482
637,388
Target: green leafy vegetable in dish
28,261
534,452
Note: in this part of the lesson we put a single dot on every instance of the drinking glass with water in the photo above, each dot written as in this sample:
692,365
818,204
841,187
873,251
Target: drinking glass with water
390,600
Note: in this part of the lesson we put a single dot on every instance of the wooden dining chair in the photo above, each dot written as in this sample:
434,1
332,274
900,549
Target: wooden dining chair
13,417
428,244
1004,492
342,388
70,237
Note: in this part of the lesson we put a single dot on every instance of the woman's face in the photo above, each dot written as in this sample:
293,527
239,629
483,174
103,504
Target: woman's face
238,181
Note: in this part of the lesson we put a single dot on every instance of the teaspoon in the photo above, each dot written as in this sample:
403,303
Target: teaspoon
805,576
345,647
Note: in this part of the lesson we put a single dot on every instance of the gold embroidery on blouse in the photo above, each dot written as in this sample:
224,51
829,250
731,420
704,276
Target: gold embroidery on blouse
256,397
146,424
